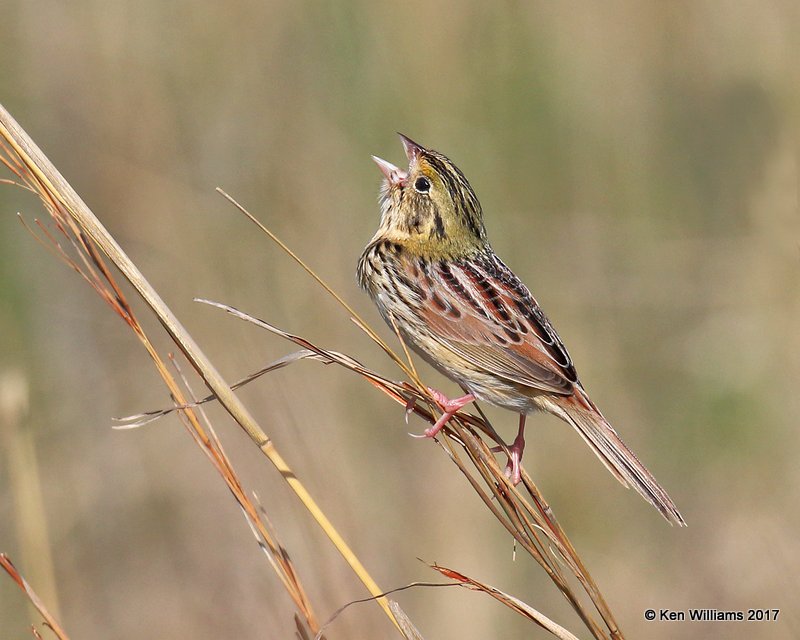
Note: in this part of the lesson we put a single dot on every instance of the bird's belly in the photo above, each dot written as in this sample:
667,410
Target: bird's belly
483,385
480,383
500,393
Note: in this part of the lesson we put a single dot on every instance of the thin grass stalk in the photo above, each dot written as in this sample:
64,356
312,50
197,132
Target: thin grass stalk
49,619
254,514
23,473
518,605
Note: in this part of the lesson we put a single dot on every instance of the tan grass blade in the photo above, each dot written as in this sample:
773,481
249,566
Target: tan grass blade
510,601
407,627
49,620
141,419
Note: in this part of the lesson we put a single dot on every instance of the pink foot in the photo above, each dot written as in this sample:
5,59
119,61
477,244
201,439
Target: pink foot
449,407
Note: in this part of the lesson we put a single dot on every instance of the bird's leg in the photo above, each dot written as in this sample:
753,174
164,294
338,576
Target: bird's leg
449,407
515,453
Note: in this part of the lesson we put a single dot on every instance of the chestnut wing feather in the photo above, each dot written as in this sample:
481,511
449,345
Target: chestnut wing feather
480,310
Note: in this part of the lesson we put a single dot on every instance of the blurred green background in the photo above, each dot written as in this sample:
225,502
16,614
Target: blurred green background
638,167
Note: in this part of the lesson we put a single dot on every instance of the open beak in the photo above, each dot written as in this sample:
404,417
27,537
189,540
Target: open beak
395,175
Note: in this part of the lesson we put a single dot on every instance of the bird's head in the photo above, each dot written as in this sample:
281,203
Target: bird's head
431,205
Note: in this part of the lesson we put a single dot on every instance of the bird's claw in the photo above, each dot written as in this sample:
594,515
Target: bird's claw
410,404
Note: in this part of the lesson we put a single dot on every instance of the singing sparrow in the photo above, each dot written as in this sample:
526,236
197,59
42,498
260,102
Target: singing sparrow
433,274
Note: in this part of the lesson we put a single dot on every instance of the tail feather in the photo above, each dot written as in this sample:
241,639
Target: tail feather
615,455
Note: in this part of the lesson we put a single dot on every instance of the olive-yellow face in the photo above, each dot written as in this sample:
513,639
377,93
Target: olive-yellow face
431,205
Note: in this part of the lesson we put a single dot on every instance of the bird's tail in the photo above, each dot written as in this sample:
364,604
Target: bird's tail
581,413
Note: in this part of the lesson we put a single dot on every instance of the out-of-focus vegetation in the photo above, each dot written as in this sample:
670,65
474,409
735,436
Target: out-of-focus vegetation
637,163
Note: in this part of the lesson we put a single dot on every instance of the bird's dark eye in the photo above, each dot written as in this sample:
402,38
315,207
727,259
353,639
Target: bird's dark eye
423,185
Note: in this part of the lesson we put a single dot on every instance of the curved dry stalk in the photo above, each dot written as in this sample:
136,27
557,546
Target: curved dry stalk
141,419
510,601
76,221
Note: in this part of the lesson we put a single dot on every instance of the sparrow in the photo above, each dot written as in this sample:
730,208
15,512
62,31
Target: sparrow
434,276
